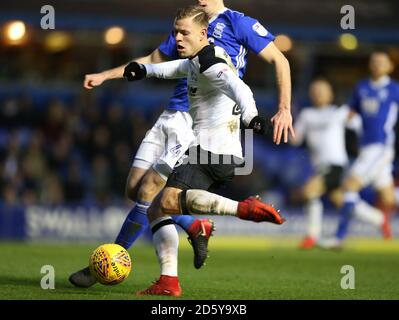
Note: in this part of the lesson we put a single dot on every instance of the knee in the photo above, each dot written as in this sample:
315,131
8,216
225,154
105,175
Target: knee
150,186
133,183
314,188
352,185
337,198
131,191
308,194
146,192
387,198
170,201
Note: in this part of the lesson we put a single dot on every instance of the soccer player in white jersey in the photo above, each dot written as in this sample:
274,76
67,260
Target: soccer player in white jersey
376,100
237,34
322,126
215,90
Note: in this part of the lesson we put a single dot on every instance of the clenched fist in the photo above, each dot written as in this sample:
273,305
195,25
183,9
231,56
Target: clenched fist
93,80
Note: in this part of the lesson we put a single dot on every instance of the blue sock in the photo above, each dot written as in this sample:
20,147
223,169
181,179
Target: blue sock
134,225
344,219
184,221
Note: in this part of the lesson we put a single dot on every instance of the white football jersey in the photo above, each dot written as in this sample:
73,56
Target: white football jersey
218,98
324,131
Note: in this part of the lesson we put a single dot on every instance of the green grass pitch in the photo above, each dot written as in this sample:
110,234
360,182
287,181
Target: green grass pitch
244,268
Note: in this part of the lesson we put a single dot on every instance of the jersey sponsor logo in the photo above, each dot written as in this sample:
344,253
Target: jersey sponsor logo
192,91
175,150
218,31
370,105
259,29
193,76
221,73
237,110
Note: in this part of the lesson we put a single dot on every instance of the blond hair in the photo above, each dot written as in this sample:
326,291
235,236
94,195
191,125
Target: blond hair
196,12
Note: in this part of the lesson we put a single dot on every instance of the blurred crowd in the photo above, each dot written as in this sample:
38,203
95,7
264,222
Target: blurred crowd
66,152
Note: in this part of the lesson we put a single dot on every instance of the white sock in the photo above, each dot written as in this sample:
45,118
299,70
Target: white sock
314,212
368,213
166,243
204,202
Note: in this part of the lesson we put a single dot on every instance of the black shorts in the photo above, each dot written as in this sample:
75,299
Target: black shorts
332,176
195,174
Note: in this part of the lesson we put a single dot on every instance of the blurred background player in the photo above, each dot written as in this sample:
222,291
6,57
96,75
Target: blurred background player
376,101
322,126
215,91
237,34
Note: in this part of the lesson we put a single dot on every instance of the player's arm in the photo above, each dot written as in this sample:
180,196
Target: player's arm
351,119
282,120
254,36
167,70
96,79
223,78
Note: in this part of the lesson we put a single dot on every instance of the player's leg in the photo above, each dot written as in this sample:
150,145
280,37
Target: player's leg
387,204
381,179
133,182
312,192
384,185
166,242
197,201
158,154
141,193
199,230
178,130
350,190
365,170
336,196
333,188
352,186
354,206
173,200
136,221
196,178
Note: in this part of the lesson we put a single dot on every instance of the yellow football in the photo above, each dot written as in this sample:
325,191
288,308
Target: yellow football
110,264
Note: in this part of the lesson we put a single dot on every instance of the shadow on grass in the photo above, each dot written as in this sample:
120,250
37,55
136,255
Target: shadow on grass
27,286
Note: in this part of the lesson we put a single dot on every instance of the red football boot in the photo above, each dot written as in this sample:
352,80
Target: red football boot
386,228
165,286
255,210
388,212
198,236
307,243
